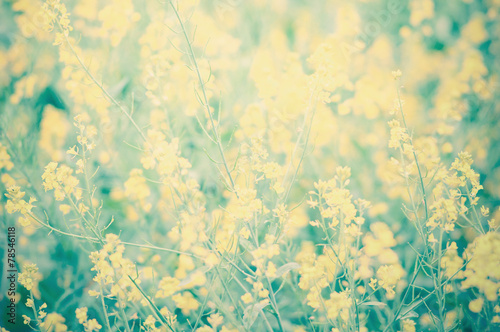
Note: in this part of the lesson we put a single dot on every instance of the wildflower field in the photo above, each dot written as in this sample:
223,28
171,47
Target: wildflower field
267,165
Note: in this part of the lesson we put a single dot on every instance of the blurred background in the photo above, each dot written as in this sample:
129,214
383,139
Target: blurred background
256,58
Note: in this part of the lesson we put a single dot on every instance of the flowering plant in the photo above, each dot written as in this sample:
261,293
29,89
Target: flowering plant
232,166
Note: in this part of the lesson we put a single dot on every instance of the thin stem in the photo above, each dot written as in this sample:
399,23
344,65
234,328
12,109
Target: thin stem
87,182
104,91
153,307
274,304
104,307
204,303
39,323
52,229
414,156
146,246
205,98
120,304
309,107
235,305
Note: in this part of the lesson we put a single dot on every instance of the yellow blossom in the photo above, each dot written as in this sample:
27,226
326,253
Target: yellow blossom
476,305
247,298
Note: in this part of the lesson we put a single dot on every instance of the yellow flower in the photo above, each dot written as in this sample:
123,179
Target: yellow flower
408,326
389,276
215,320
398,134
247,298
81,314
338,303
65,208
212,259
92,325
5,161
485,211
186,302
60,179
53,131
245,233
137,189
396,74
54,322
28,275
483,269
8,180
476,305
271,270
16,203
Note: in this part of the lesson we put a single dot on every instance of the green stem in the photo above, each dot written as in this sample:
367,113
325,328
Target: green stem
205,99
104,307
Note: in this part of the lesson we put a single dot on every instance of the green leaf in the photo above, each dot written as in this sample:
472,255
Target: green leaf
286,268
408,313
251,312
374,303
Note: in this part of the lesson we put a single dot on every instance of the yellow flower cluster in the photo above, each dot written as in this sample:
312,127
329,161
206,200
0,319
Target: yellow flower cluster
113,269
54,322
338,305
167,287
335,203
28,277
388,277
61,180
165,156
452,263
463,165
5,161
267,250
449,201
150,324
89,325
483,269
137,189
57,14
408,325
186,302
16,203
202,132
265,169
399,136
